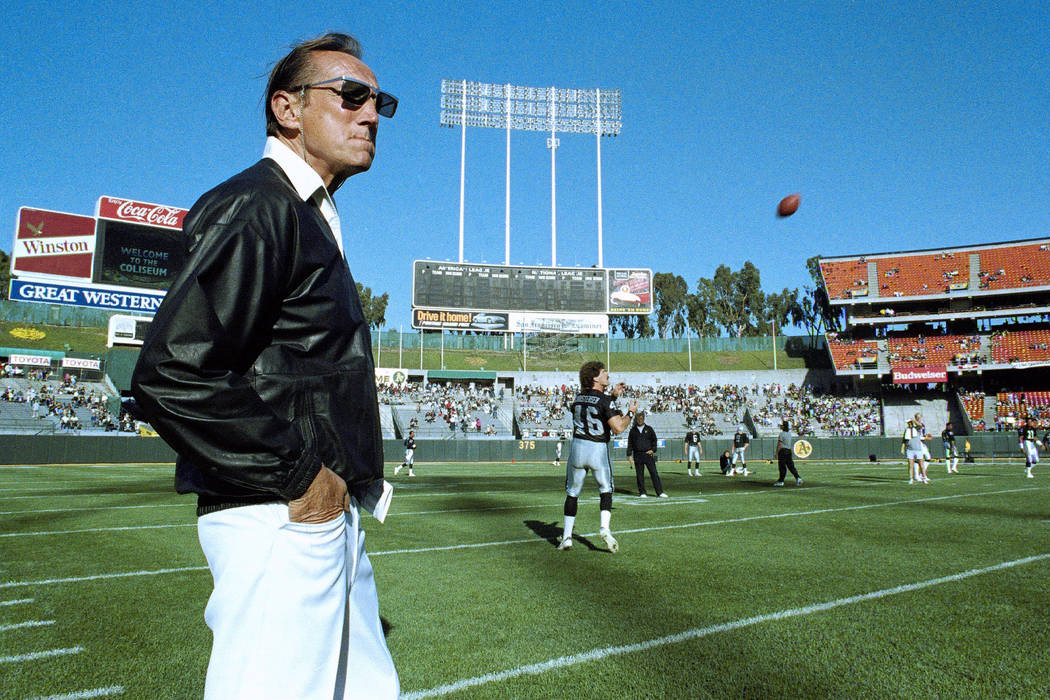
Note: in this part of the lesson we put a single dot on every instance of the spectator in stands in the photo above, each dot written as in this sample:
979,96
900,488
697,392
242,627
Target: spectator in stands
641,447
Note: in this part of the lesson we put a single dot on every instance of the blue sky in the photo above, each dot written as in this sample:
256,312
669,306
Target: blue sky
903,125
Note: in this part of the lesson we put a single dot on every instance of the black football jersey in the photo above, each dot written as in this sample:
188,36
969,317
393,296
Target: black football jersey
692,438
740,439
1027,434
948,436
591,411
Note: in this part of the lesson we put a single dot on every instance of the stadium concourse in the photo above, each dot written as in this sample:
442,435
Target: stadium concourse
972,320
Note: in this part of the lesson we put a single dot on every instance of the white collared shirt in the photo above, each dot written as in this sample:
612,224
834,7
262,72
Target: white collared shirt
307,183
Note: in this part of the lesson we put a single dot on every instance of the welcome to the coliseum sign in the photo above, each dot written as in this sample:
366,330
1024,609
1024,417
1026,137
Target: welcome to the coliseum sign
101,261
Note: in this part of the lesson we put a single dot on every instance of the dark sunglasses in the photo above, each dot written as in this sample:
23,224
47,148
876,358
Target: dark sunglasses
357,93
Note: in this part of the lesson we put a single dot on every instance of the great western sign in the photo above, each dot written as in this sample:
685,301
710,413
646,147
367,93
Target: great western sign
85,295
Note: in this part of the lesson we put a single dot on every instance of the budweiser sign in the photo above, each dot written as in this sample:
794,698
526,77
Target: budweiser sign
141,213
921,375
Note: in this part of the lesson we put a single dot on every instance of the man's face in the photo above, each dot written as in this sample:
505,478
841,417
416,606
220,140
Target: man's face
639,419
602,380
337,137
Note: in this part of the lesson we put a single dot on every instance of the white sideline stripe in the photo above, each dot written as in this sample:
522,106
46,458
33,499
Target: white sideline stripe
27,623
697,633
66,510
33,656
705,522
96,693
20,601
99,577
529,540
95,529
67,494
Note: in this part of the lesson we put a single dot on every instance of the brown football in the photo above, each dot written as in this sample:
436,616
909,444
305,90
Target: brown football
789,205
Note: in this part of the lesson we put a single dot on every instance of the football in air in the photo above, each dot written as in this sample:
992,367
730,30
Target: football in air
788,205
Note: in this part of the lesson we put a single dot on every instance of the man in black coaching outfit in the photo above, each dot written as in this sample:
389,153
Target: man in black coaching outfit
641,446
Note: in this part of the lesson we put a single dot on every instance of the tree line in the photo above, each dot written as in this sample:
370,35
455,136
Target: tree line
731,302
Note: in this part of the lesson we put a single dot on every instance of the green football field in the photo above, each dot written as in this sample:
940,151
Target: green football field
855,584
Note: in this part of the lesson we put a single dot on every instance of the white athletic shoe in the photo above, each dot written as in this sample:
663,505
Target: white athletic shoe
778,483
690,472
911,481
566,543
643,495
411,473
609,540
663,495
746,472
398,468
798,482
1029,474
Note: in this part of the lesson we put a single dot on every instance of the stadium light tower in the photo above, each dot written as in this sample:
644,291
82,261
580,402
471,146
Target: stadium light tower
550,109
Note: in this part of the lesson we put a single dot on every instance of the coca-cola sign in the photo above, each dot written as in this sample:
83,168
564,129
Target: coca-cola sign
140,212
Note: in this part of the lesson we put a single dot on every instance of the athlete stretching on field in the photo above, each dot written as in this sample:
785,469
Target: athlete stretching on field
594,420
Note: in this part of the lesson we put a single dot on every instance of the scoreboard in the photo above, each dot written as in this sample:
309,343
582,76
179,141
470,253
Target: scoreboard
503,288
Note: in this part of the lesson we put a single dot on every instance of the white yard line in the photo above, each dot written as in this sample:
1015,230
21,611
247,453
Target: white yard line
697,633
537,540
96,529
100,577
82,694
20,601
33,656
66,494
66,510
26,624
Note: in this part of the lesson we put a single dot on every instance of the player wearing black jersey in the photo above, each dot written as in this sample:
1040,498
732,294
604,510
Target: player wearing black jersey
410,454
740,442
951,453
594,419
693,450
1029,444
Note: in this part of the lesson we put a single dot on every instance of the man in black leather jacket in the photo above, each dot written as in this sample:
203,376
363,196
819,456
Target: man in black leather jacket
258,371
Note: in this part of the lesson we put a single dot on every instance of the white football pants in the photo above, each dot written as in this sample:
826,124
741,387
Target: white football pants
294,612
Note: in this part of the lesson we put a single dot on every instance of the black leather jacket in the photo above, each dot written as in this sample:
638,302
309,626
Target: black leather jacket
258,365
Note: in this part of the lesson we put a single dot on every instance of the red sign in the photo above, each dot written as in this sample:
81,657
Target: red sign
921,375
53,243
141,213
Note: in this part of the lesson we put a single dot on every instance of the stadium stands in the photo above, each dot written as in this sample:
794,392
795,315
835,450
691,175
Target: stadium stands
852,354
1010,347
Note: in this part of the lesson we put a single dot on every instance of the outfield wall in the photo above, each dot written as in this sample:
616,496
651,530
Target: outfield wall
87,449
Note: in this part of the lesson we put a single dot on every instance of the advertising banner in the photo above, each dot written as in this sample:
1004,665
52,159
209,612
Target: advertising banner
35,360
435,319
921,375
53,243
119,209
84,295
80,363
630,291
589,324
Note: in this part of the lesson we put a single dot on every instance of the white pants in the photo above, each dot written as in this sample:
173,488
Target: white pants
694,454
738,455
294,612
1031,452
410,456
